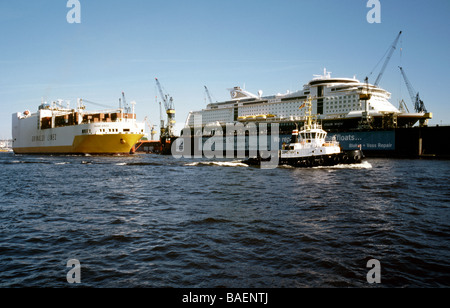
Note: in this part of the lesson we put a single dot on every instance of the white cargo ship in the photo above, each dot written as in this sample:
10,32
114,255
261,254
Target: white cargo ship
55,129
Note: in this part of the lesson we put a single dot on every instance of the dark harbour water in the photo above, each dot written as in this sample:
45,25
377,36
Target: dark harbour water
153,221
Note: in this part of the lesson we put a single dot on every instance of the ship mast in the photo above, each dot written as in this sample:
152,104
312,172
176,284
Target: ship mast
308,113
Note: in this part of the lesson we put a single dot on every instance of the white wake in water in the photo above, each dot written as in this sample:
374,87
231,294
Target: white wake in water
362,165
218,163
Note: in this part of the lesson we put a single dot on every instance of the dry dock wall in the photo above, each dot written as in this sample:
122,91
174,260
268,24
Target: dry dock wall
423,142
414,142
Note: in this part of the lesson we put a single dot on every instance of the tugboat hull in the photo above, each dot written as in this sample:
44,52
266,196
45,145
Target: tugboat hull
345,157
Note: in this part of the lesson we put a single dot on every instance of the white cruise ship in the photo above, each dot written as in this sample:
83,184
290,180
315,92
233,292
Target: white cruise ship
338,103
55,129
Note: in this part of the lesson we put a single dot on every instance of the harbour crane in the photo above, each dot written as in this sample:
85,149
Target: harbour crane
366,119
125,104
161,118
151,128
208,95
170,111
388,58
419,106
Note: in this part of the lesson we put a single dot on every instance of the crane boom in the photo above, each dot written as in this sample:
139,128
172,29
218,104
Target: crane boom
168,101
163,96
97,104
170,110
411,91
419,106
125,104
209,95
388,58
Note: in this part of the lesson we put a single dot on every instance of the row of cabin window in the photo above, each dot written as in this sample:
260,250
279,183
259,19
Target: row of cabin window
306,136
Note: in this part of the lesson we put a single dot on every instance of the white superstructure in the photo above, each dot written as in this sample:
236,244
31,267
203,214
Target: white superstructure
55,129
333,99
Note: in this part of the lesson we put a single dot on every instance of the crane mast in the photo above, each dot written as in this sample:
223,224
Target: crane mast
419,106
170,111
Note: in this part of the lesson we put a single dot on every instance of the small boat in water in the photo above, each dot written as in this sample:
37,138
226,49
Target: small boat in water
309,148
5,146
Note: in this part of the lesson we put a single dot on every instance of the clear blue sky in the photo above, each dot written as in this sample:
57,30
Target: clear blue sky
266,45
